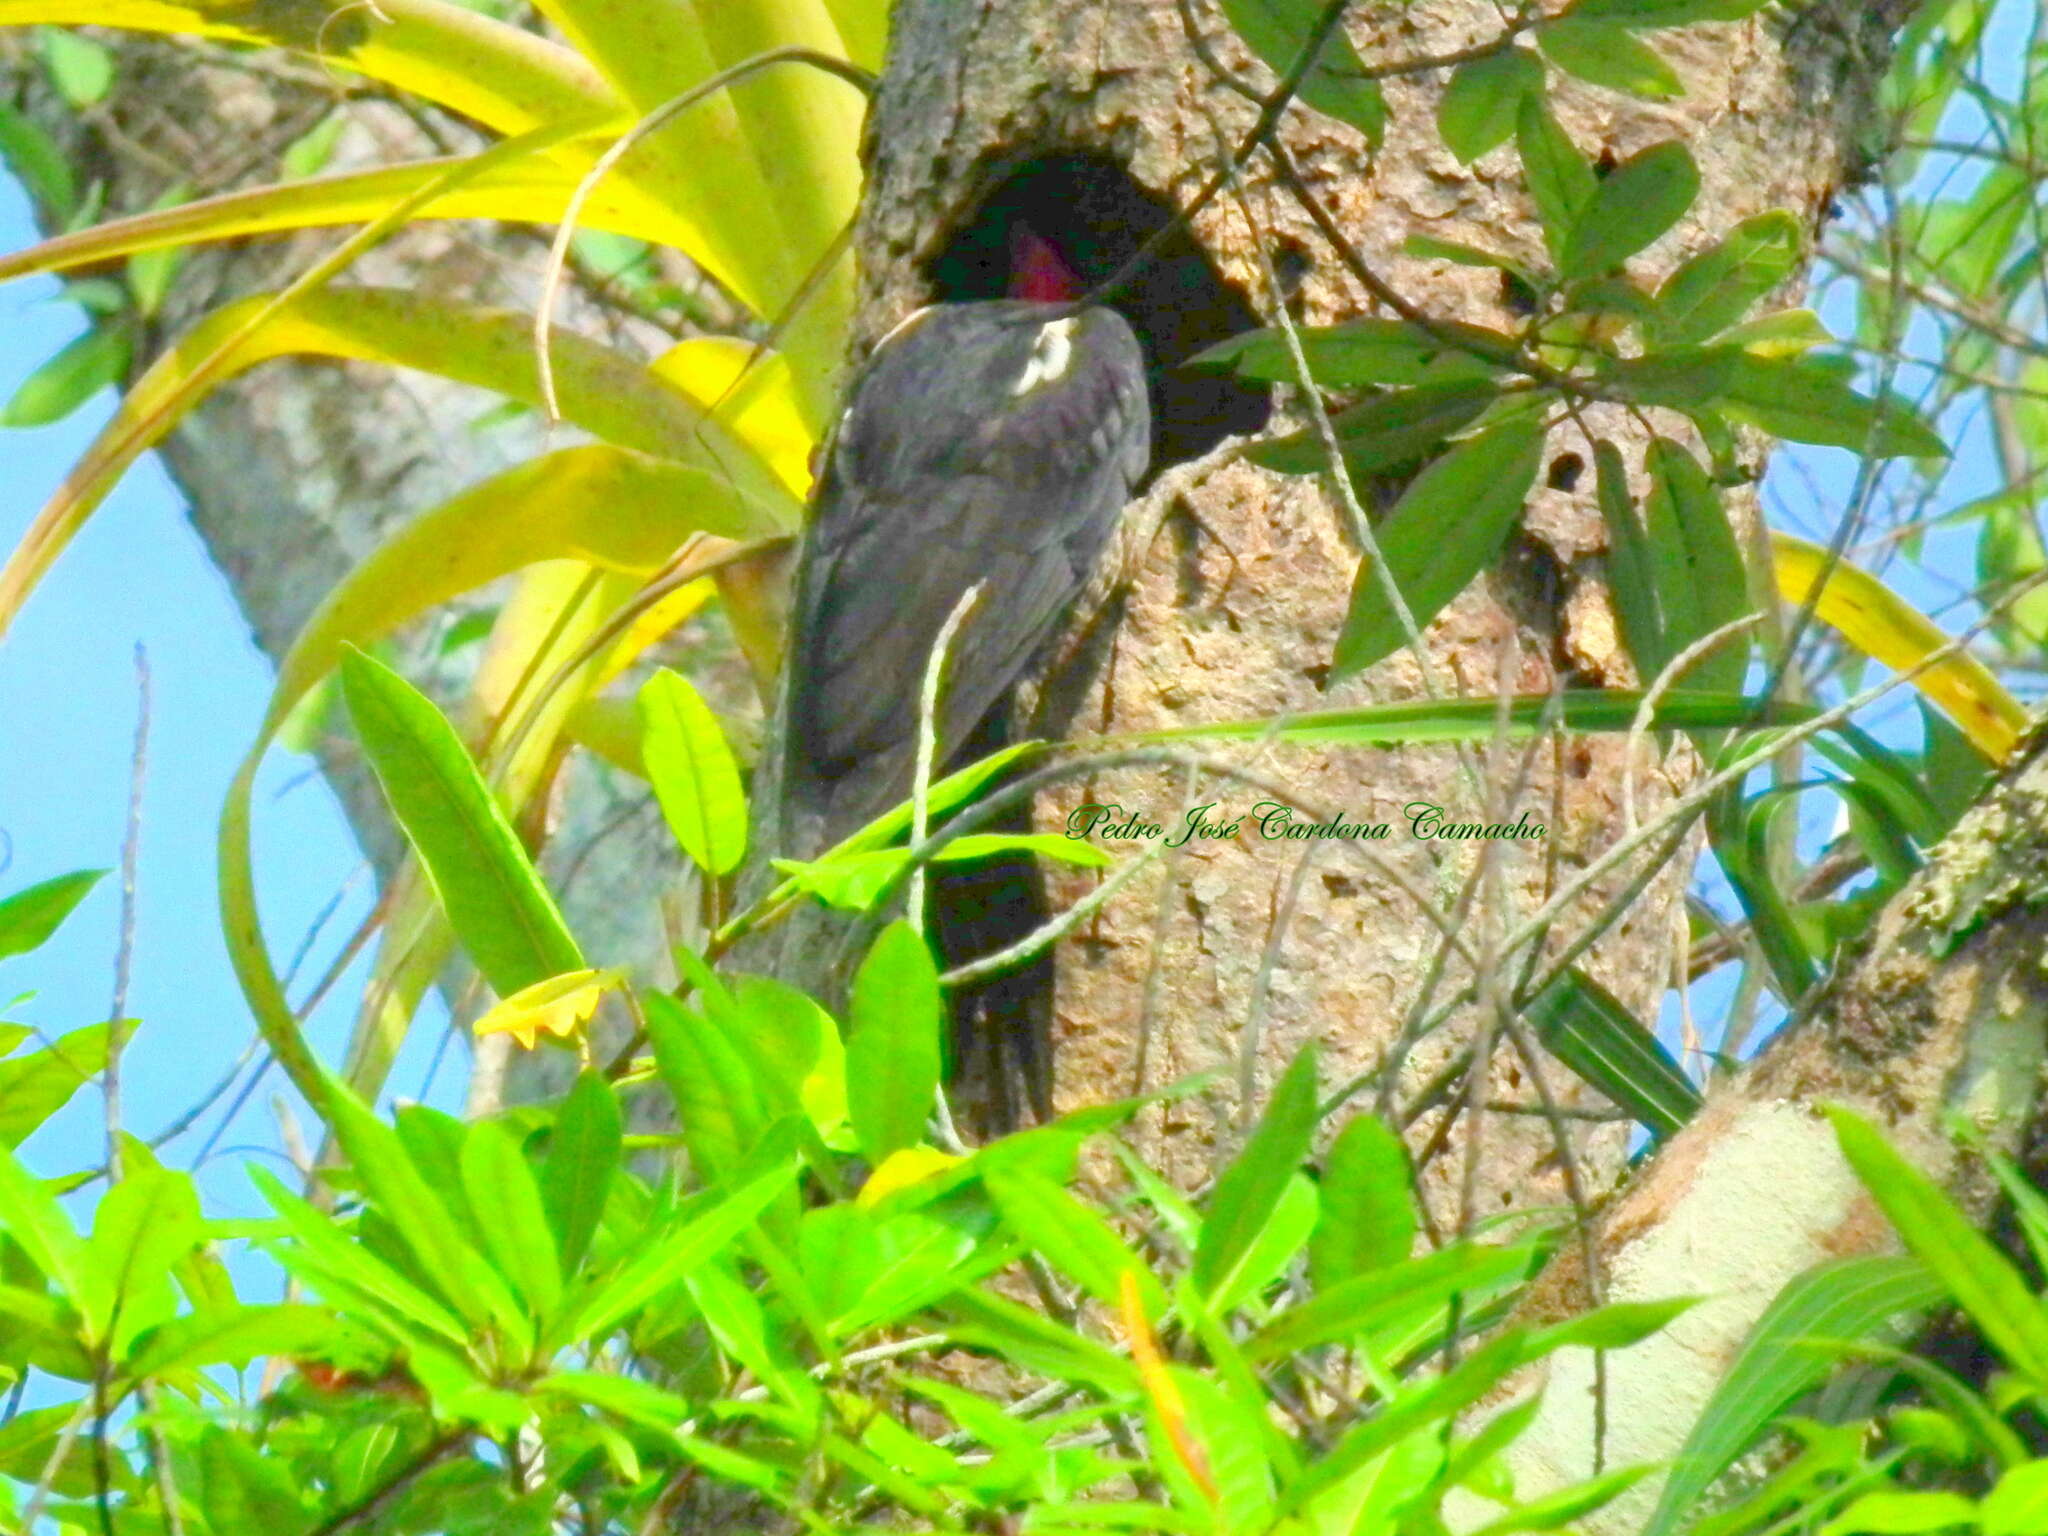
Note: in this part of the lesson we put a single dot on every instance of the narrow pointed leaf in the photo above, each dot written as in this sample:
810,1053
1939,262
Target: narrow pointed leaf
1631,569
1481,105
892,1046
1278,31
502,76
1071,1238
1981,1280
1610,56
1848,1299
1631,207
506,1198
1448,526
583,1157
1368,1219
1888,629
1711,291
695,778
29,917
487,884
1560,179
1247,1194
1585,1026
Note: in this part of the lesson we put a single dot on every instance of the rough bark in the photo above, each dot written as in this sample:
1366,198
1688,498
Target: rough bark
1944,1012
291,474
1239,579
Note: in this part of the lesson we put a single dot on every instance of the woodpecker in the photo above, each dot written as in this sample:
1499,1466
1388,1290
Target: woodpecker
992,443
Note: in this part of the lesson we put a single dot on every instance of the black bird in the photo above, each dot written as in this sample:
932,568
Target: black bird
995,443
992,443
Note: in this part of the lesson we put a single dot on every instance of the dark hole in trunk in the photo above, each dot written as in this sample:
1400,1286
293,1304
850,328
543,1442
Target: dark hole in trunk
1097,218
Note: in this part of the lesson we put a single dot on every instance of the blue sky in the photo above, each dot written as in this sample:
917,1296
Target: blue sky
138,574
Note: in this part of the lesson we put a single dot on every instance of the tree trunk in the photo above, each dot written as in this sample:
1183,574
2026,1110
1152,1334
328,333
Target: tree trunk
1229,954
296,471
1944,1012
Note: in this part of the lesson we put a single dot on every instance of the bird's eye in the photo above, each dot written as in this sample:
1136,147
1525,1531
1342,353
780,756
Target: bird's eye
1050,355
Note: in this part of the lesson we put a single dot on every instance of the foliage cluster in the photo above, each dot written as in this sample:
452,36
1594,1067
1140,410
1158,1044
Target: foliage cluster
540,1321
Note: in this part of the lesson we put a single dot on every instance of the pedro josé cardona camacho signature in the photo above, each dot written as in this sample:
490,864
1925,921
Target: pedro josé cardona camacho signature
1272,821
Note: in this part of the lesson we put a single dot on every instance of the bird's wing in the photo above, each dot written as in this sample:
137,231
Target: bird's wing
1020,499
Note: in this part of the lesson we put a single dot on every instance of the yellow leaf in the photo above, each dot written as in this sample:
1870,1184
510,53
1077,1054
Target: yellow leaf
501,75
608,507
768,170
1163,1391
611,729
531,191
753,393
1886,628
901,1169
607,393
650,627
864,28
559,1006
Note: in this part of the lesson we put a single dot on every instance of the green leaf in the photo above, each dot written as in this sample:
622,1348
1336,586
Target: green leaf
81,370
674,1255
1614,1326
1846,1299
1368,1220
1806,400
1479,108
714,1088
1902,1513
1711,291
486,883
1555,1510
1700,576
1372,1300
693,773
30,1215
430,1227
1586,1027
1630,208
1631,570
35,1087
1448,526
28,1441
151,273
2018,1504
347,1274
1432,249
1609,55
232,1335
1980,1279
145,1224
583,1156
1560,179
506,1199
1278,30
308,154
34,157
801,1060
81,69
1247,1193
1360,352
1384,432
892,1044
854,882
241,1489
1665,13
1227,1428
1072,1238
